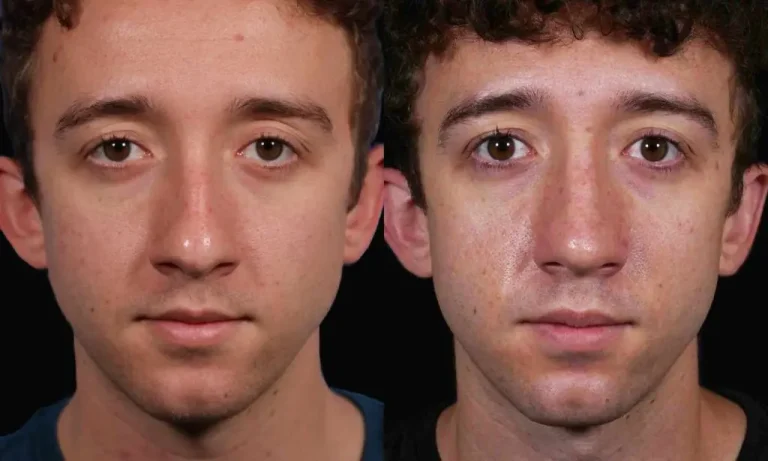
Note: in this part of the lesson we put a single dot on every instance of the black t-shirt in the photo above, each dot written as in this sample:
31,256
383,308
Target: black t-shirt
37,440
414,439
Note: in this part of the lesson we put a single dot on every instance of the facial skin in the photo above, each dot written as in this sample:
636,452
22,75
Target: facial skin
194,217
576,219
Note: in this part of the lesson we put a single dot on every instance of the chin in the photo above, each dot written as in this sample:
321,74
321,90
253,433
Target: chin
196,412
573,405
194,404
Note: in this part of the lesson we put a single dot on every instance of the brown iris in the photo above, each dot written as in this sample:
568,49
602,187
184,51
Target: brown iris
654,148
117,150
501,147
269,149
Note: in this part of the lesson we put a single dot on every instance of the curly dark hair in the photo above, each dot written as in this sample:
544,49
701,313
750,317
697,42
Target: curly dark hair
22,22
414,30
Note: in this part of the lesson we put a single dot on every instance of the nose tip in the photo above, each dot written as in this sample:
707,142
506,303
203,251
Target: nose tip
194,259
583,258
193,220
582,232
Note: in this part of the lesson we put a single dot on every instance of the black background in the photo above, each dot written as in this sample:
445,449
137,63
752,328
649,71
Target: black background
384,336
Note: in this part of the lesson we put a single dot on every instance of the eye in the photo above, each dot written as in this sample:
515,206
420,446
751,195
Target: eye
117,150
501,147
269,150
655,149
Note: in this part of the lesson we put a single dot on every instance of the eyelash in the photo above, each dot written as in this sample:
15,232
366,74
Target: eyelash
473,146
680,146
282,168
106,139
651,132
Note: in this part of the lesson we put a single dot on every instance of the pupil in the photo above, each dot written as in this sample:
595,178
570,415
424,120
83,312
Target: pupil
501,147
269,149
117,151
654,148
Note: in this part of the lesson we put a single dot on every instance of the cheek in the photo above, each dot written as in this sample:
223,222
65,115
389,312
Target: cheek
681,253
479,247
90,260
300,254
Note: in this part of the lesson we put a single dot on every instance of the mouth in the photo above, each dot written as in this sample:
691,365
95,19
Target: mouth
193,317
578,319
193,328
568,331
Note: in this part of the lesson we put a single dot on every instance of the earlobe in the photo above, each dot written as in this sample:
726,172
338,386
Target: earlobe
741,226
363,219
19,217
405,225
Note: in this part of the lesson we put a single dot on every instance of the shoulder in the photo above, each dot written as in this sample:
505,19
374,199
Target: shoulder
412,437
373,415
755,444
372,409
36,439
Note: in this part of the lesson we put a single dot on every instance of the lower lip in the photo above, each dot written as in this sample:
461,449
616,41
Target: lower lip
564,338
193,334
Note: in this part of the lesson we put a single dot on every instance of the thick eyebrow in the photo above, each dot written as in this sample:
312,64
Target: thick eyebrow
261,108
83,112
686,106
478,106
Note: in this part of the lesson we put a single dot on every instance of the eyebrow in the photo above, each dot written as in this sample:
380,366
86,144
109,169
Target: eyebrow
261,108
477,106
83,112
686,106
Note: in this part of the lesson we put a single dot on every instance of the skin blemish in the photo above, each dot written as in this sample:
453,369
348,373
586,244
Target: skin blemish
239,37
55,56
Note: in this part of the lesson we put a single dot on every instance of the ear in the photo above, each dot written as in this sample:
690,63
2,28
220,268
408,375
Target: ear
19,217
741,227
405,225
363,219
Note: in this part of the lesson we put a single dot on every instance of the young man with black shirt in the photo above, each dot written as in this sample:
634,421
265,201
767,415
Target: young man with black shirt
574,176
193,175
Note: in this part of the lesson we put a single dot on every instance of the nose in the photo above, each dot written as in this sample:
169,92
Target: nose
581,222
194,223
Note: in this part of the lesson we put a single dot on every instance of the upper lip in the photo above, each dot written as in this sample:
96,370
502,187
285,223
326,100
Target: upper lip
578,319
193,316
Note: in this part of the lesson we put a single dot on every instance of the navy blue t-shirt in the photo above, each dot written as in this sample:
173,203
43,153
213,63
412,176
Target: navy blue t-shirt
37,439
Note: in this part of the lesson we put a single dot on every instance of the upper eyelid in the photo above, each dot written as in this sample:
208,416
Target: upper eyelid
479,140
90,148
679,143
282,139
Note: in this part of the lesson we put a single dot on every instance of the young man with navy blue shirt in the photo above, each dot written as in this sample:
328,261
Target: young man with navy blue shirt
193,175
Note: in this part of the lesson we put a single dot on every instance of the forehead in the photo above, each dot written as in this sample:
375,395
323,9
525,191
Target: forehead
195,54
580,75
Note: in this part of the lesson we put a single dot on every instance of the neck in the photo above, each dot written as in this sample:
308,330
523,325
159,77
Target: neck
678,420
297,417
